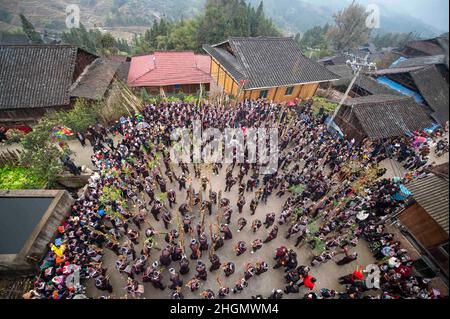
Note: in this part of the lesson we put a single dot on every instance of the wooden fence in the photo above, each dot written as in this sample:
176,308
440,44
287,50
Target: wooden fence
10,158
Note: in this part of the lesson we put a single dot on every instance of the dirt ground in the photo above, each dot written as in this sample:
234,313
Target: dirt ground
326,274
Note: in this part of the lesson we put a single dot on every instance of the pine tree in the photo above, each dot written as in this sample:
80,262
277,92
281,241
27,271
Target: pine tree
30,31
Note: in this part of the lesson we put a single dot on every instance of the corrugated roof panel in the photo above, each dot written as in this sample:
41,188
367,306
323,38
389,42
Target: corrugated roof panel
431,193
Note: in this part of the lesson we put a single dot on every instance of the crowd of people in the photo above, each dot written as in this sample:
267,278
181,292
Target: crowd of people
333,190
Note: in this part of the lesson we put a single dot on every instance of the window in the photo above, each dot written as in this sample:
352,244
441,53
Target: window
289,90
263,94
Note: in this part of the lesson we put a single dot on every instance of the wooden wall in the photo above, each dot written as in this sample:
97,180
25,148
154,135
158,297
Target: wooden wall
171,89
278,94
223,79
422,226
82,60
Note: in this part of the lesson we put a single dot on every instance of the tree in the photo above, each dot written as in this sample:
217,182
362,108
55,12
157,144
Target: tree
349,30
30,31
40,154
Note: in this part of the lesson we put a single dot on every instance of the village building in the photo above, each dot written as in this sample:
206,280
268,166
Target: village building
427,47
424,222
170,72
35,79
424,79
380,116
363,85
265,67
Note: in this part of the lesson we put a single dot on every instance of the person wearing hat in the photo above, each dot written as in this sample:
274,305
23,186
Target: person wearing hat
240,248
253,205
241,203
229,268
195,248
215,262
272,234
217,241
270,219
176,252
223,292
156,280
102,283
184,265
167,218
175,279
164,259
177,295
240,285
208,294
256,225
149,271
242,222
171,197
261,267
249,272
276,294
201,271
226,231
256,245
193,284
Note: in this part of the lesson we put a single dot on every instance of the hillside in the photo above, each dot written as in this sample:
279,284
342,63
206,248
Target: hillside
126,17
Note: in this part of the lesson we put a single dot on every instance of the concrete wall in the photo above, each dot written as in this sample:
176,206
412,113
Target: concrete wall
36,246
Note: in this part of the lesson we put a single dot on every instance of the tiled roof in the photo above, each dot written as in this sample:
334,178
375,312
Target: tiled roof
395,70
421,61
384,116
36,76
363,81
268,62
431,192
428,47
94,81
169,68
434,90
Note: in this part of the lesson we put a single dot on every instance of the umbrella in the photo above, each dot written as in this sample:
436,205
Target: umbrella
142,125
421,139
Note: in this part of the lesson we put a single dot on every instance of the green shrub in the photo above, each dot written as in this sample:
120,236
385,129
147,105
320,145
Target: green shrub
79,118
14,136
189,99
320,102
19,178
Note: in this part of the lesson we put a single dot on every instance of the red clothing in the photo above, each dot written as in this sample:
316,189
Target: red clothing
357,275
308,282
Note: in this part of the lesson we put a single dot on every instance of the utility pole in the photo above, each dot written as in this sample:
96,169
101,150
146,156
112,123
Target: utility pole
357,64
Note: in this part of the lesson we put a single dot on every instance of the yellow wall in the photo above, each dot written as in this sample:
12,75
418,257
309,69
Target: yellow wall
302,92
225,81
214,70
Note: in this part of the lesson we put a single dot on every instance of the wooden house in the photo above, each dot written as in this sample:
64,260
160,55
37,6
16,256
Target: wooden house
170,72
380,116
265,68
425,219
35,79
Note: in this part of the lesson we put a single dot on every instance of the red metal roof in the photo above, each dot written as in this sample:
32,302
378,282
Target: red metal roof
169,68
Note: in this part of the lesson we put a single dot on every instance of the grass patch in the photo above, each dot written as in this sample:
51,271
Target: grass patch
19,178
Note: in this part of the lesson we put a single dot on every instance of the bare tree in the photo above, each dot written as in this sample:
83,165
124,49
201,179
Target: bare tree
350,29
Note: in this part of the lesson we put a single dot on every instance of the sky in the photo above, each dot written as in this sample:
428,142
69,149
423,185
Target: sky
432,12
